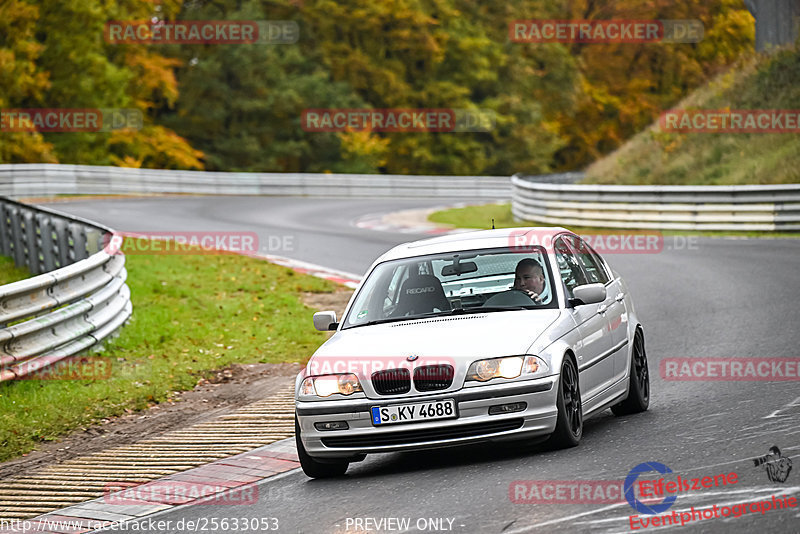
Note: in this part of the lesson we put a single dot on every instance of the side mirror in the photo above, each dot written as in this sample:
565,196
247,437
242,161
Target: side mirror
589,294
325,320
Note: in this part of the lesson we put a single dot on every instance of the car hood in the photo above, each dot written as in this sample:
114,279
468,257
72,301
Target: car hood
458,339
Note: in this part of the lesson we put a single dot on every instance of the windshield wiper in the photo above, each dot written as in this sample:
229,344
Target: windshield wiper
454,311
480,309
381,321
403,318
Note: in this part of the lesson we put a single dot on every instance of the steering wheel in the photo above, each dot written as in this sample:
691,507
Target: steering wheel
510,297
525,293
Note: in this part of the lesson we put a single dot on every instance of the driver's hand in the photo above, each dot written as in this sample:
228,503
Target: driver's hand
532,294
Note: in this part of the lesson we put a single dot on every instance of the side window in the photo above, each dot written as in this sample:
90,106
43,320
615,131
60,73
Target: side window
568,266
595,272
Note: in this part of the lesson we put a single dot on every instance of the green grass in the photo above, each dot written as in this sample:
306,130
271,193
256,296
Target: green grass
191,314
476,216
10,272
656,157
481,217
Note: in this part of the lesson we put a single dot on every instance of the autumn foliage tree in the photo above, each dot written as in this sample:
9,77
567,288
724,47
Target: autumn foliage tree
238,107
58,58
22,81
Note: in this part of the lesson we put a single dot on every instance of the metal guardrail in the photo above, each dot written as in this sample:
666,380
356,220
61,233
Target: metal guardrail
30,180
78,298
660,207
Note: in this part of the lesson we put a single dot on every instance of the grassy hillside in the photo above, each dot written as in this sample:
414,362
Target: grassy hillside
656,157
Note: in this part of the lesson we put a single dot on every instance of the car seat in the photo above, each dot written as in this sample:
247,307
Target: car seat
421,294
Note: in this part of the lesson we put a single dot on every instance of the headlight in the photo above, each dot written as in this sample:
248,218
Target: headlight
510,367
327,385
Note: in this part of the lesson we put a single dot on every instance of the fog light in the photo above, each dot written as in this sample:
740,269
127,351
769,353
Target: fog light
508,408
332,425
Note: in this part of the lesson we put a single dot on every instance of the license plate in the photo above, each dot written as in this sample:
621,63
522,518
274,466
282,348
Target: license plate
406,413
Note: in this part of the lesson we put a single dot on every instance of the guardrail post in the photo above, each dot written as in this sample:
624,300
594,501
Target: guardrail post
77,242
48,243
29,241
5,231
17,250
61,253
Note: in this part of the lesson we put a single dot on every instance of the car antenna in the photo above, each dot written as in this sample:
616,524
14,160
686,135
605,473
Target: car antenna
492,224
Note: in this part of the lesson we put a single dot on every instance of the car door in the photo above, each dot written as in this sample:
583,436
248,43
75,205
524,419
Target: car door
594,346
616,313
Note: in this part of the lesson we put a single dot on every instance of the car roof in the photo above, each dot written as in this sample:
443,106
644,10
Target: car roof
478,239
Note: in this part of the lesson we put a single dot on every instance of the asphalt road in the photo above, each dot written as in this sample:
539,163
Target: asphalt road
697,298
309,229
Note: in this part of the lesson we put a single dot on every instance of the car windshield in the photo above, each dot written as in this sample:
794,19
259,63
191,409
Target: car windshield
452,283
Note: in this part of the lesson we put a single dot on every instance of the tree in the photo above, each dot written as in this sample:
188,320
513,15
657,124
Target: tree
22,81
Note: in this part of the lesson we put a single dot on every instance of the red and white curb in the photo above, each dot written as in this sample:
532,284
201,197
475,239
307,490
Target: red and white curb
229,481
340,277
413,221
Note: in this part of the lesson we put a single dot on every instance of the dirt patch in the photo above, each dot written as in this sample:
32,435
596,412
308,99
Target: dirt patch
231,388
336,301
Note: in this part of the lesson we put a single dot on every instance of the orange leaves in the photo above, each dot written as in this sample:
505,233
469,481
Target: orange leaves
155,75
154,147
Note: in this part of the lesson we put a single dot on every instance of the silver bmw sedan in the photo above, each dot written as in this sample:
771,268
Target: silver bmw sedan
481,336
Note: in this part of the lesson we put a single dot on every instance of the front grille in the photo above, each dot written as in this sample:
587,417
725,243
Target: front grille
403,437
433,377
391,381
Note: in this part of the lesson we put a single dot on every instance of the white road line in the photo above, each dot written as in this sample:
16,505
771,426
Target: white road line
792,404
750,491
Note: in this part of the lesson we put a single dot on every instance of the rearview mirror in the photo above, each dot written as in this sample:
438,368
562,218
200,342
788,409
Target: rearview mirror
589,293
325,321
459,268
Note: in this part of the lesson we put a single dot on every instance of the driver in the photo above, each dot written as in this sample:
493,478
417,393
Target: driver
529,278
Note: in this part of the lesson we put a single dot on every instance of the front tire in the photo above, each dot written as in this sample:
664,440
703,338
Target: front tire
639,387
312,467
569,421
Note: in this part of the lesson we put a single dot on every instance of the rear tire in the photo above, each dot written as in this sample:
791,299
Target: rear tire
569,421
314,468
639,387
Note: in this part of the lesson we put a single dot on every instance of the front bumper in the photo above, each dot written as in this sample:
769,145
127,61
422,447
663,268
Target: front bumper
474,424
